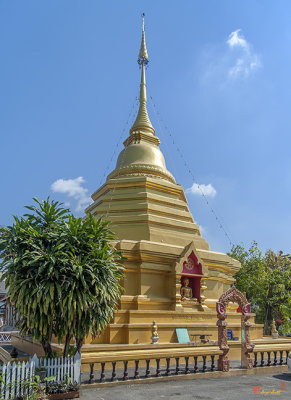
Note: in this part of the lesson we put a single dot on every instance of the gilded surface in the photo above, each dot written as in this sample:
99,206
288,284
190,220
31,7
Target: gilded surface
156,233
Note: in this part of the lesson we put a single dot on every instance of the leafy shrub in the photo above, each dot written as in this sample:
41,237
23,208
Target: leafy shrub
61,387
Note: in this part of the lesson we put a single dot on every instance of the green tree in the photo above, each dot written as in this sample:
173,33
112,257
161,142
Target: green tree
266,281
63,274
278,301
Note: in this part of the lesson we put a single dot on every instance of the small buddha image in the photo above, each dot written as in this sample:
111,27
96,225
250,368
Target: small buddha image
186,291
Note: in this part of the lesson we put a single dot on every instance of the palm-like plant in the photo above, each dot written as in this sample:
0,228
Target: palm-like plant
62,272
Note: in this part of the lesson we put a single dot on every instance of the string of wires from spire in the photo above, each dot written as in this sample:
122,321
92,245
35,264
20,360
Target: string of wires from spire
160,121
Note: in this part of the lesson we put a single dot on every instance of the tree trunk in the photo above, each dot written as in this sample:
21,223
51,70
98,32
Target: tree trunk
47,348
79,343
67,344
268,322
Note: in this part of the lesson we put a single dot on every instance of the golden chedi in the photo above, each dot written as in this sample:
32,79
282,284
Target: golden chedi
171,275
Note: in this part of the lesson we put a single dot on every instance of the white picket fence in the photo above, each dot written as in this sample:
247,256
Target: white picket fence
16,377
61,368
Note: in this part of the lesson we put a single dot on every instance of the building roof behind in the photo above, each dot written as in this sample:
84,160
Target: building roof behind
2,288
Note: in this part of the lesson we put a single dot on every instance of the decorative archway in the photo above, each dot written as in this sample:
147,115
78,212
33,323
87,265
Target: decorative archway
234,295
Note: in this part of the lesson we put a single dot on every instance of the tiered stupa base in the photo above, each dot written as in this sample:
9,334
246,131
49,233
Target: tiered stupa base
135,326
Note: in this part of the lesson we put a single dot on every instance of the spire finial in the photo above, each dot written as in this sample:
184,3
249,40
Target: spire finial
142,121
143,57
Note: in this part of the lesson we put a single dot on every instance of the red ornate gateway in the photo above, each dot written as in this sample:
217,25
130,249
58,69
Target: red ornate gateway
234,295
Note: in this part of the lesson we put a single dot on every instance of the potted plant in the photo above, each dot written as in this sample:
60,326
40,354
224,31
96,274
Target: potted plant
32,390
41,372
62,390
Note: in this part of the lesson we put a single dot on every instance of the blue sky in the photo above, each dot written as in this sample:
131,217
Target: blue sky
219,76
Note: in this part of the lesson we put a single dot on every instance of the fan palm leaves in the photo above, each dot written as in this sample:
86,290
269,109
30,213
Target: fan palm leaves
63,274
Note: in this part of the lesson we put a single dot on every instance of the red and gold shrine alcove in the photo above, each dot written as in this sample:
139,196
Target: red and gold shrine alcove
192,270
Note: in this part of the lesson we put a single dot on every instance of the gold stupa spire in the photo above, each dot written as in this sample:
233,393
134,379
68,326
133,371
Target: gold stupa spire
141,155
143,54
142,122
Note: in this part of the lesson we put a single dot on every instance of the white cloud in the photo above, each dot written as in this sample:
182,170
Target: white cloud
73,188
246,60
207,190
235,39
229,61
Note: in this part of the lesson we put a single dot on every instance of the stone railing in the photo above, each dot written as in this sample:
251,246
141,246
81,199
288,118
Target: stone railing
269,358
151,366
266,355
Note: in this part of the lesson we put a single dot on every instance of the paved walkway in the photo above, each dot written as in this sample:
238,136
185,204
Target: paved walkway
231,388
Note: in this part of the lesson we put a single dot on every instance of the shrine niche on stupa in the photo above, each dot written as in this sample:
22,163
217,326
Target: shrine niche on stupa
171,275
